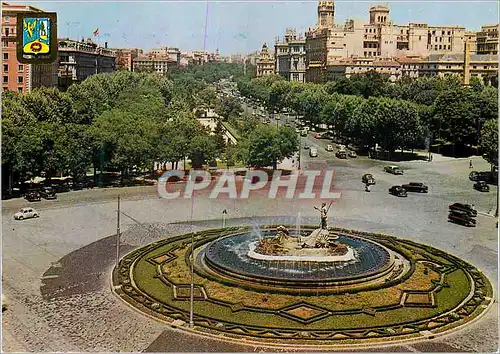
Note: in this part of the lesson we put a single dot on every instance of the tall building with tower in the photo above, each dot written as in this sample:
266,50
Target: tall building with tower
290,56
380,38
265,62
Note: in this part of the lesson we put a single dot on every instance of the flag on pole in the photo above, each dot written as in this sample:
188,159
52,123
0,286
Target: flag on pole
96,32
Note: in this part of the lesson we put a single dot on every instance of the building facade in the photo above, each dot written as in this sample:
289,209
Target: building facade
351,66
125,58
290,56
329,42
79,60
17,76
484,67
152,63
487,40
265,63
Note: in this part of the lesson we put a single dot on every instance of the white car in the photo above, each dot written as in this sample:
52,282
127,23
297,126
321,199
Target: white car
26,213
313,152
329,147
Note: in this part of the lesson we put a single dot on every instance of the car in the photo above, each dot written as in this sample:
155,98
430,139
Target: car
398,191
303,133
26,213
4,303
329,147
313,152
481,186
341,154
463,208
368,179
48,193
317,136
416,187
352,154
306,147
395,170
32,196
462,219
297,130
486,176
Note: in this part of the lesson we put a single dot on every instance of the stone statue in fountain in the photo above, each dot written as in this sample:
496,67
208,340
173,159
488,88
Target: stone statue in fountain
324,215
321,240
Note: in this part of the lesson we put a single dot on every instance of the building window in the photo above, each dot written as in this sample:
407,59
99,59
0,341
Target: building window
419,38
6,56
20,79
440,46
449,32
5,68
7,19
20,67
20,89
5,79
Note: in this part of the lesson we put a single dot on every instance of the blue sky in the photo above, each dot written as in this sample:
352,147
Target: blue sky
237,27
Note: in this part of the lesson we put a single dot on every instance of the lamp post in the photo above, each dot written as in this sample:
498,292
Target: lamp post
118,233
191,302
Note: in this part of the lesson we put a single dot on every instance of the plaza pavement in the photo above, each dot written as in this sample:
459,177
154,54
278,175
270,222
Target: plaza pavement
56,268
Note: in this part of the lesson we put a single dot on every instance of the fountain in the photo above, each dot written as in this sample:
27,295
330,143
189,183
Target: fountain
318,256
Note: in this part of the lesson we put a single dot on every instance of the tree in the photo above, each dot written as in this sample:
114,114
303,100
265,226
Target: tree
489,141
268,146
456,116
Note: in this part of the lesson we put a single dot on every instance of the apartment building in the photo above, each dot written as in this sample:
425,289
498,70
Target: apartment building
169,52
80,59
290,56
17,76
487,40
265,63
484,66
353,66
153,63
329,42
125,57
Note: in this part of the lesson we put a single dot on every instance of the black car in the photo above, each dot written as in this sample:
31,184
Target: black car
398,191
48,193
32,196
481,186
486,176
461,219
463,208
416,187
368,179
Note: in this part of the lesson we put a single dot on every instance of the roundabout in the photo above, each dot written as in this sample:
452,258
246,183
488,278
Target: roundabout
390,291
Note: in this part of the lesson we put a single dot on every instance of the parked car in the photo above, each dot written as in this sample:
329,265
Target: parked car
352,154
341,154
329,147
303,133
464,208
486,176
26,213
306,147
317,136
48,193
416,187
313,152
32,196
368,179
398,191
481,186
395,170
461,219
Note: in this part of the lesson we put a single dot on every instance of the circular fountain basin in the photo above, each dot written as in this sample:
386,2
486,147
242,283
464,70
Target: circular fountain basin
308,256
233,258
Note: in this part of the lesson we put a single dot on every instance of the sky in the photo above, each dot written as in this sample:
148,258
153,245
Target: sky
237,27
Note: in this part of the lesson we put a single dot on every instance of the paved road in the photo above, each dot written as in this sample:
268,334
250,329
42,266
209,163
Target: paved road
56,268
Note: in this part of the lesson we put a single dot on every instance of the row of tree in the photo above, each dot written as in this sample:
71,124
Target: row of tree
369,109
116,122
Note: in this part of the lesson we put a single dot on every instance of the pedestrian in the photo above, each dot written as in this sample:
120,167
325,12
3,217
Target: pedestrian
470,164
